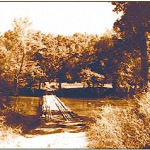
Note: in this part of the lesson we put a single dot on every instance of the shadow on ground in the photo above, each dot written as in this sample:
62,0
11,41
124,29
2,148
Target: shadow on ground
35,125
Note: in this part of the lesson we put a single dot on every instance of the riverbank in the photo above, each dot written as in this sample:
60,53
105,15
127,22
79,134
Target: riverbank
70,90
121,127
112,124
19,130
10,138
55,140
51,134
76,92
8,134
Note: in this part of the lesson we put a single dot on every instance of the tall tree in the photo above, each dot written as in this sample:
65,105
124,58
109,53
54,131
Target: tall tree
103,55
21,43
132,28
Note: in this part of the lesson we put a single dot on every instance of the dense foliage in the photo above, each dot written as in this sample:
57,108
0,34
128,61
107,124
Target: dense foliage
132,32
30,57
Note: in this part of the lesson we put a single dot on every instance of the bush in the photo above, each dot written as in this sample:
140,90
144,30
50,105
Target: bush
8,135
118,127
103,133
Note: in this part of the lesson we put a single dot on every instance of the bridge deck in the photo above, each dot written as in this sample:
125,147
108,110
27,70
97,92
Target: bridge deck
54,102
58,107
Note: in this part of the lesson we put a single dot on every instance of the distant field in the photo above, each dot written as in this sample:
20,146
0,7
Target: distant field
70,85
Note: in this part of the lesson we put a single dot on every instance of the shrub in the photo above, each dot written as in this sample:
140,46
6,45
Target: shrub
106,131
8,135
118,127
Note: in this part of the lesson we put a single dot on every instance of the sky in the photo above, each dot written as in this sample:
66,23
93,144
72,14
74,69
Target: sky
56,18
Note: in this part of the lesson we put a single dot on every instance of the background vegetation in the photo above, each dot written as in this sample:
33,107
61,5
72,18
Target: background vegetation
120,57
29,57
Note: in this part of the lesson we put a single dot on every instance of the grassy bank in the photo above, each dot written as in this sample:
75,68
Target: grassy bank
119,127
8,135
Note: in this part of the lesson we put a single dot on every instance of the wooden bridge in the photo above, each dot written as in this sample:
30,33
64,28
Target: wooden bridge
52,108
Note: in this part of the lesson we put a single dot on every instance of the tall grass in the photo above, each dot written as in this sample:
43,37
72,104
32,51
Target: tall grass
119,127
8,135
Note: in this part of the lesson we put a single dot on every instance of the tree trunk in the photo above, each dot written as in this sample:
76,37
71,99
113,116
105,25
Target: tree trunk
22,61
144,62
39,84
16,76
60,91
15,84
114,85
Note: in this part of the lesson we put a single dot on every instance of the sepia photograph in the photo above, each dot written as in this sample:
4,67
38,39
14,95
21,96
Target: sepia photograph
75,74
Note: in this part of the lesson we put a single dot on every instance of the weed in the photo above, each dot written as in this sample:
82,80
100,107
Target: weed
117,127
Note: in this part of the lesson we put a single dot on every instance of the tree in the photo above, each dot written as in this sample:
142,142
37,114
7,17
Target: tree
65,56
103,54
5,81
21,43
132,28
129,78
91,78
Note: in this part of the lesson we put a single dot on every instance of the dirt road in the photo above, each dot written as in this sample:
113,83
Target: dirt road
51,135
57,140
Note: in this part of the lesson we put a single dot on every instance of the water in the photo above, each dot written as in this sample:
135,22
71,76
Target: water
25,105
82,106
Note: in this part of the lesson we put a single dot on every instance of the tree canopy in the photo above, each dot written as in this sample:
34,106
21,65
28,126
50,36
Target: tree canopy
30,57
132,29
